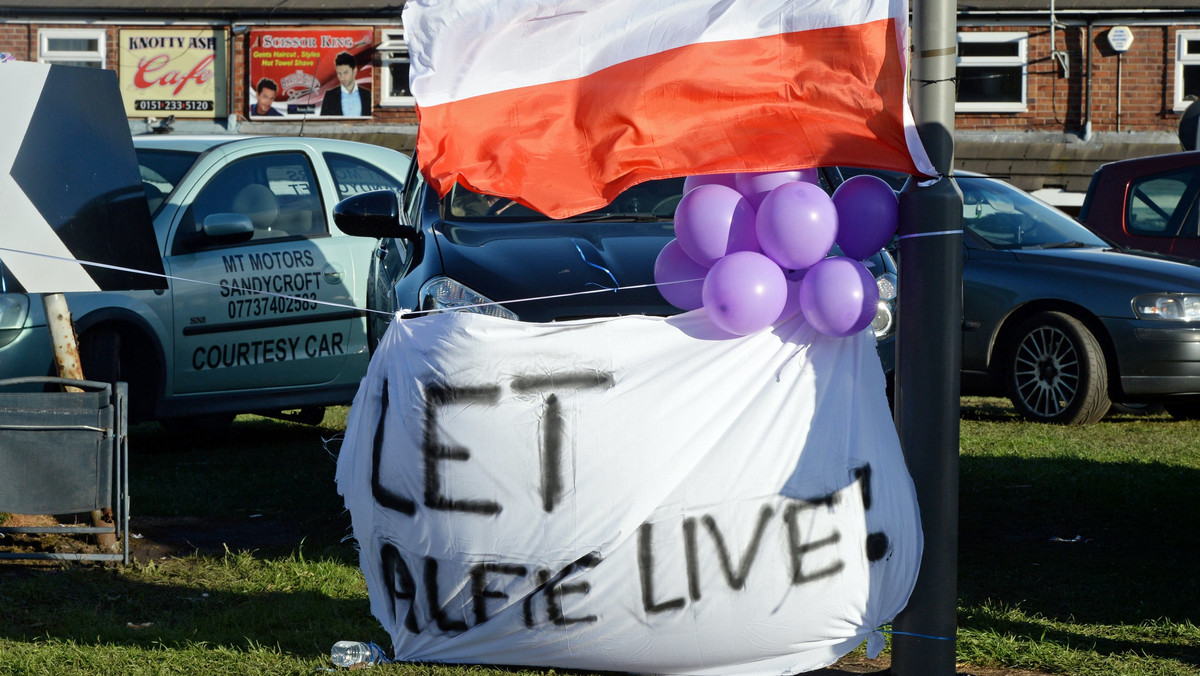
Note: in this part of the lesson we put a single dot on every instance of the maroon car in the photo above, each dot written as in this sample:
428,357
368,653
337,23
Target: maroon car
1147,203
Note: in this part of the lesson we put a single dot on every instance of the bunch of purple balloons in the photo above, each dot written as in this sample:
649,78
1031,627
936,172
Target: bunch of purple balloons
751,248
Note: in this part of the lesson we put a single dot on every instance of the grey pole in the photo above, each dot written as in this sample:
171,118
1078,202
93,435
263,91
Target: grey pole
929,350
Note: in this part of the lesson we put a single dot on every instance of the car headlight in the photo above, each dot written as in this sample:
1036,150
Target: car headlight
14,308
884,323
1179,307
445,294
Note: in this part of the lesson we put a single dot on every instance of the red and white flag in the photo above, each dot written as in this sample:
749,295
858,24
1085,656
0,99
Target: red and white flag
563,104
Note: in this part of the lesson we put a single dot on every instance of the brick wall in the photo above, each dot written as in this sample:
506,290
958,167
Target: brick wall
1055,102
1058,102
17,40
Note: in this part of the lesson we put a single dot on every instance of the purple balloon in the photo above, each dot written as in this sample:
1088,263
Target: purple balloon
727,180
838,296
712,221
792,305
680,279
744,292
868,213
756,185
796,225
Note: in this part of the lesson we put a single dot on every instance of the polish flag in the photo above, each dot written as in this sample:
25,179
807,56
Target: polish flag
562,104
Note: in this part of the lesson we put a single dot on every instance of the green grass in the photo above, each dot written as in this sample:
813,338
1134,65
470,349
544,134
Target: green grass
1077,545
1123,598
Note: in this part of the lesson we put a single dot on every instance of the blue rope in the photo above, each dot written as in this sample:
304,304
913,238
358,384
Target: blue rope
616,285
907,633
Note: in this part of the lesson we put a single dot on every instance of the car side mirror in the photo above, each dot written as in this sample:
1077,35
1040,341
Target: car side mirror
219,229
372,214
227,228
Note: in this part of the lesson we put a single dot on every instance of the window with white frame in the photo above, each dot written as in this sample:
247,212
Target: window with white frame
1187,68
393,56
72,47
992,69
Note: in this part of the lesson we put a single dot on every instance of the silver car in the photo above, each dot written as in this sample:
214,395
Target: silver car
263,307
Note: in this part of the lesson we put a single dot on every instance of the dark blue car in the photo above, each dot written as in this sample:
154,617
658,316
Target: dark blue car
480,253
1065,323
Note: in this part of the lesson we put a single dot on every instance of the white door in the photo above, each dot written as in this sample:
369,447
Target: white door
249,320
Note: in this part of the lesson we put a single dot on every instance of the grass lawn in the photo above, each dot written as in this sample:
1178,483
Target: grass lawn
1077,545
1076,556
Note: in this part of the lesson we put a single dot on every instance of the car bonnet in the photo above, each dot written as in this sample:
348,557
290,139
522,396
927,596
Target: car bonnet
590,269
1108,267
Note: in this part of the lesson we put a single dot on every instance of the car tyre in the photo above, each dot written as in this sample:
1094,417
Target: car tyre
106,354
1056,371
100,355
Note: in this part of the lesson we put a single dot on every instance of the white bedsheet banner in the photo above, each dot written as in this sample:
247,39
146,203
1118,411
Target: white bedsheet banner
633,494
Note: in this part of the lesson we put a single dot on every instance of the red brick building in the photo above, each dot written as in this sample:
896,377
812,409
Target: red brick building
1046,90
101,33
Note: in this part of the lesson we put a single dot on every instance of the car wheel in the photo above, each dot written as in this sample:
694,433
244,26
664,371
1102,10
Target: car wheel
105,353
1184,410
1056,371
100,355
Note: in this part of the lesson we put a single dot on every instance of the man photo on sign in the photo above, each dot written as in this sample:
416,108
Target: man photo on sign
266,91
347,99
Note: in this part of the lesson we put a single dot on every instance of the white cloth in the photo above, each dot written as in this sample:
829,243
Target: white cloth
632,494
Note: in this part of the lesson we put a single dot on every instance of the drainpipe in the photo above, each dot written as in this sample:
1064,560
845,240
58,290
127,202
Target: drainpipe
1118,90
1087,110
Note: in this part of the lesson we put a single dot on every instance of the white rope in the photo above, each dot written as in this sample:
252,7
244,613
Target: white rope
402,313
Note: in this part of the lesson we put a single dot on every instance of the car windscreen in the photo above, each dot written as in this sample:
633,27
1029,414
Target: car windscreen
1007,218
648,201
161,171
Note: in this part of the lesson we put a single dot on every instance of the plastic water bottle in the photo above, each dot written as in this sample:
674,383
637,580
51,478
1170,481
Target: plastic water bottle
350,653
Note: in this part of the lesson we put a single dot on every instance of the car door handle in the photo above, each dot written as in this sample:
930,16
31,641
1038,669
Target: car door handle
332,273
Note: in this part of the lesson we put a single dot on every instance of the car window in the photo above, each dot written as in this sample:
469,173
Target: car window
650,200
465,203
1008,218
414,187
1164,205
353,176
276,191
161,171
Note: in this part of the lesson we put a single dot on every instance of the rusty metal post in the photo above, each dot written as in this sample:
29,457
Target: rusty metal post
67,365
62,334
